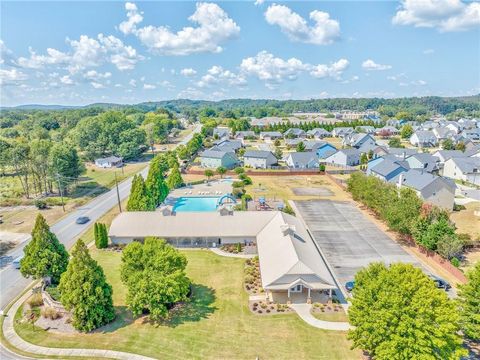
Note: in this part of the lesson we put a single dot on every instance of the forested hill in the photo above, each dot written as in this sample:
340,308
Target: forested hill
259,108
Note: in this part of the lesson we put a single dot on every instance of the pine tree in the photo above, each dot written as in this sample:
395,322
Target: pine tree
174,180
140,198
470,304
155,182
104,237
84,291
44,254
96,234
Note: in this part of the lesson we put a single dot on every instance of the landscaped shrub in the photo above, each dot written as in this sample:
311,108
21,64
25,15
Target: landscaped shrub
35,300
51,313
238,184
40,204
249,279
53,292
239,247
455,262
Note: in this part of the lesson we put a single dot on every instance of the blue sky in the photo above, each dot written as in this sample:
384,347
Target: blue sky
127,52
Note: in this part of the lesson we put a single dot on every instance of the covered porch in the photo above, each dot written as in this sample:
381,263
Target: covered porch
300,292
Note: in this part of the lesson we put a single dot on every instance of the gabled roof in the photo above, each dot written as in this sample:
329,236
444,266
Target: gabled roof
109,159
302,157
419,180
215,153
259,154
386,167
444,155
468,165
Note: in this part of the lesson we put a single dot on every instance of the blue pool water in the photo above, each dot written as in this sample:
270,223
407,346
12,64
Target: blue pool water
184,204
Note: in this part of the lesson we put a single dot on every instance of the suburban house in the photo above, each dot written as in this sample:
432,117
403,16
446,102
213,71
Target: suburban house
442,133
444,155
401,153
302,160
242,135
434,189
344,157
342,131
259,159
321,148
472,134
424,161
318,133
365,129
221,133
269,136
109,162
387,131
294,133
385,169
290,262
214,158
228,145
423,138
463,168
358,140
293,142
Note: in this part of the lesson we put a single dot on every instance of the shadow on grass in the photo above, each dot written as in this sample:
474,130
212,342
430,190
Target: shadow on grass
123,318
197,308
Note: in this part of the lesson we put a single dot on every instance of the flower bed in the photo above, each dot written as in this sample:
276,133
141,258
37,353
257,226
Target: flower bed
326,308
233,248
268,308
253,283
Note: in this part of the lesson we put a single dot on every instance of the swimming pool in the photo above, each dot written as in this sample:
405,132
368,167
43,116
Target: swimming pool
207,203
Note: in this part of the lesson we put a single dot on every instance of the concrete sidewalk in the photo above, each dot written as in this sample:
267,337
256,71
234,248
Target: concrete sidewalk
227,254
304,311
12,337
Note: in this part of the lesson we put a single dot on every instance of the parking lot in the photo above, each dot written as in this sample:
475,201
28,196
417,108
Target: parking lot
349,240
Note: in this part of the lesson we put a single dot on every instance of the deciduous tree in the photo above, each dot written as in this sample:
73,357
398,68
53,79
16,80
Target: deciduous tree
469,300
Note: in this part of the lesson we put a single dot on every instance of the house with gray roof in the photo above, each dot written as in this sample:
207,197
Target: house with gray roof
472,134
444,155
294,133
228,145
215,157
289,260
357,140
293,142
259,159
109,162
318,133
344,157
423,138
366,129
424,161
269,136
386,169
302,160
401,153
221,133
342,131
247,134
433,189
463,168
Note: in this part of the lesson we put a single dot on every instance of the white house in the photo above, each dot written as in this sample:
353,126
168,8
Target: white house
109,162
345,157
423,138
259,159
463,168
302,160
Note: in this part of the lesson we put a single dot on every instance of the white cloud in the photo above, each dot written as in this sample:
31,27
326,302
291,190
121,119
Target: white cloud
6,55
258,2
428,51
96,76
191,93
217,75
35,61
66,80
445,15
372,65
334,70
124,57
97,85
214,28
325,30
149,86
419,82
133,82
11,76
188,72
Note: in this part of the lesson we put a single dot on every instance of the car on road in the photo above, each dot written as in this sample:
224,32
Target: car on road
350,285
82,220
440,283
16,262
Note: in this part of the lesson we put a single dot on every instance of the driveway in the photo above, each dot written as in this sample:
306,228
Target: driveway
348,240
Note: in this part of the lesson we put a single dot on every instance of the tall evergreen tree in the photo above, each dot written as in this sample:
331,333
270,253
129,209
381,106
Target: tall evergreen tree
84,291
155,182
44,254
96,234
174,180
104,238
140,198
470,304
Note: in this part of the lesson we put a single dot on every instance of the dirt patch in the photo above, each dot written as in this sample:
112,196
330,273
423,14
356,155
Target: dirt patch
319,191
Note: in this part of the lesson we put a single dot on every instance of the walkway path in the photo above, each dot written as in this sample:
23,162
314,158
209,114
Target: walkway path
303,310
227,254
12,337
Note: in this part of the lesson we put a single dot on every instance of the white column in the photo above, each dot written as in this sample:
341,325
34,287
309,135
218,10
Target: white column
288,293
309,292
330,293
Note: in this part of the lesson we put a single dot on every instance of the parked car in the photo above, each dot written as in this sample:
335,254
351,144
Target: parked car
350,285
82,220
440,283
16,262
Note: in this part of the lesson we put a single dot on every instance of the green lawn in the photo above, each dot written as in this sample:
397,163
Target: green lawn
217,324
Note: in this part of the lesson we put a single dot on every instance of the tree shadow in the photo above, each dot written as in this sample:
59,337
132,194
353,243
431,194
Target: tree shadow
89,189
123,317
198,307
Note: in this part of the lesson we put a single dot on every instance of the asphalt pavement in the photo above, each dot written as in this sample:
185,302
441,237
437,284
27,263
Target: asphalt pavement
67,231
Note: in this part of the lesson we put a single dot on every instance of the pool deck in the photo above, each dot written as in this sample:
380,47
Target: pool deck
213,188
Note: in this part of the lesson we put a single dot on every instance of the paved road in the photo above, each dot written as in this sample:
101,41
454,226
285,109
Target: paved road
348,239
12,282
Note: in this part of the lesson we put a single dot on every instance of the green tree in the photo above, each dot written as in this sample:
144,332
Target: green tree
469,300
101,235
96,234
448,144
175,179
154,274
277,142
461,146
363,158
450,245
239,170
44,254
278,153
398,313
139,199
395,142
155,183
85,292
221,170
208,173
300,147
406,132
65,163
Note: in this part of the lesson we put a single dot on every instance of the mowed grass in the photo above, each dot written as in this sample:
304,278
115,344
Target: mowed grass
217,324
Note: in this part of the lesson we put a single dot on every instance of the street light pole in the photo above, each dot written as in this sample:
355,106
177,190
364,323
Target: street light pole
60,191
118,193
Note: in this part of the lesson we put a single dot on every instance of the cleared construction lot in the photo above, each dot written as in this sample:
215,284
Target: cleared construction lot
347,238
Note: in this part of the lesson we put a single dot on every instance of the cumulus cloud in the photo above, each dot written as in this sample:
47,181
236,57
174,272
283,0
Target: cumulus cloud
259,2
66,80
84,53
11,76
149,86
445,15
218,75
324,31
334,70
370,65
96,76
97,85
6,55
188,72
214,28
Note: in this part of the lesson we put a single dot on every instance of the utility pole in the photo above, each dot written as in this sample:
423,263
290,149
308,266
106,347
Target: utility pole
60,191
118,193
